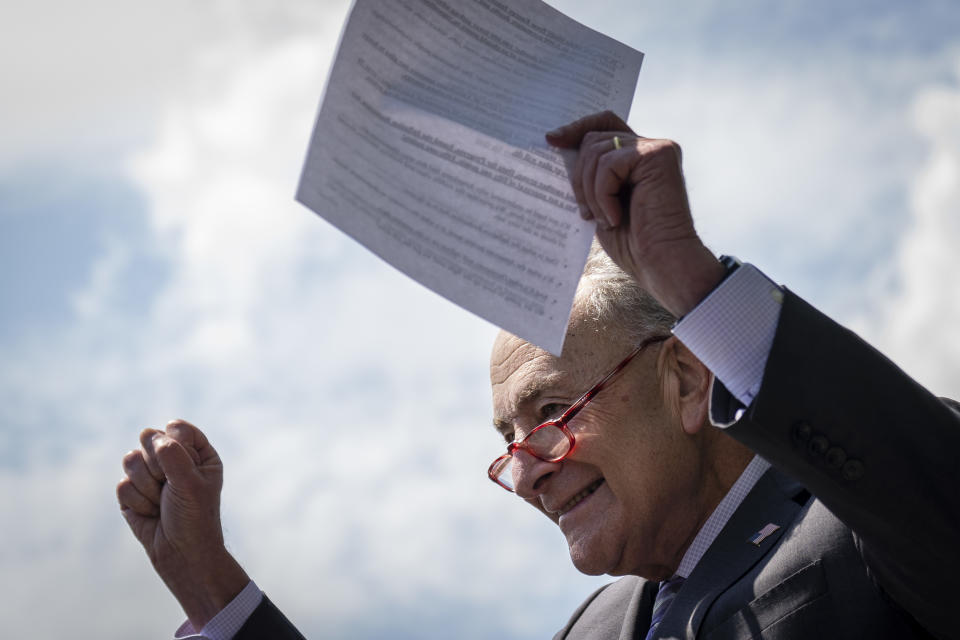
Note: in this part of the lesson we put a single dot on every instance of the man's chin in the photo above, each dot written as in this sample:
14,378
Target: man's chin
587,559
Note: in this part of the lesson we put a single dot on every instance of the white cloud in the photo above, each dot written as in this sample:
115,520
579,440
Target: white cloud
782,168
348,402
917,316
84,80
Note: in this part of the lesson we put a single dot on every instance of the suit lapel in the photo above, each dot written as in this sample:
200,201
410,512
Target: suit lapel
636,619
732,554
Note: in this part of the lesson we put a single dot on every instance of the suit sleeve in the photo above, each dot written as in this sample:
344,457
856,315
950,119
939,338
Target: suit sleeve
268,623
874,446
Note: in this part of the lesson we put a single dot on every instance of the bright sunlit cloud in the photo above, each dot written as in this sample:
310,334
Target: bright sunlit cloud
156,266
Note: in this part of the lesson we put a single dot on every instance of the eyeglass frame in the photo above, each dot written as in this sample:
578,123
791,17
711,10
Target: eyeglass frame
568,415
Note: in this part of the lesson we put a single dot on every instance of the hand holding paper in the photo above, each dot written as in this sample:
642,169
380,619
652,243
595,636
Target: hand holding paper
635,191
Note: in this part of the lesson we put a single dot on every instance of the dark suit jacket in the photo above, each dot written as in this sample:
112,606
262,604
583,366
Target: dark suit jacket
267,623
873,555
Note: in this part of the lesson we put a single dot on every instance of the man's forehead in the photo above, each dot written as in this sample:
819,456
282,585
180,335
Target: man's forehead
520,371
510,353
513,357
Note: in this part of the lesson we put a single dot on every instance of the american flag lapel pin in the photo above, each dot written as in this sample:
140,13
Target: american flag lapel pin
763,534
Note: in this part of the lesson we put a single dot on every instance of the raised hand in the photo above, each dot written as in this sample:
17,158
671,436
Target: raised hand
637,195
171,500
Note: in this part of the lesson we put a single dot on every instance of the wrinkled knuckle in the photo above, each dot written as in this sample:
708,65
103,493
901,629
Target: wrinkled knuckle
130,459
668,150
147,435
181,429
164,448
123,489
677,151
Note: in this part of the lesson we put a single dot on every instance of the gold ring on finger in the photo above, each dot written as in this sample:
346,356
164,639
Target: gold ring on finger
616,142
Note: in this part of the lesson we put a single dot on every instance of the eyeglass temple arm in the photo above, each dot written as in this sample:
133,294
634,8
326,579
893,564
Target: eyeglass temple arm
585,398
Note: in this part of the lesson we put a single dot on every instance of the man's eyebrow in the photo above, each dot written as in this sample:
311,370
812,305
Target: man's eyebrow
527,395
531,393
524,397
502,426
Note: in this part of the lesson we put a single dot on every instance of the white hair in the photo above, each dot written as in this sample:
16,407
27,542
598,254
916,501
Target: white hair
613,301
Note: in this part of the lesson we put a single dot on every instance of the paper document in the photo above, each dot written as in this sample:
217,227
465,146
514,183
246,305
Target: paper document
429,149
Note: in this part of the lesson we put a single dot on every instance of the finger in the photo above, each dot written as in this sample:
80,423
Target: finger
584,167
595,147
571,135
136,469
194,441
149,454
646,170
612,178
176,462
582,174
138,524
130,498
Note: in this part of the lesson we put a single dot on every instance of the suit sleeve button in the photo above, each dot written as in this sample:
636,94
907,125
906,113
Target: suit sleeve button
801,432
818,445
852,469
835,457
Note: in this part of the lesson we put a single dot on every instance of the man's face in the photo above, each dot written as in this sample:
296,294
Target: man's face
631,484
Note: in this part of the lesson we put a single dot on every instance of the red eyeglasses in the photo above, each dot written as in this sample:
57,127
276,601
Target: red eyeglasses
553,441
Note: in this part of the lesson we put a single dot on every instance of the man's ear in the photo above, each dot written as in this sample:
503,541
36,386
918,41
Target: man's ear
687,384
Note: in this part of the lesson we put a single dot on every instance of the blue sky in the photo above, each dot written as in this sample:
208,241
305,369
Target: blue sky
154,265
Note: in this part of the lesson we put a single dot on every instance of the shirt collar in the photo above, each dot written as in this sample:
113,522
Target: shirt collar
718,519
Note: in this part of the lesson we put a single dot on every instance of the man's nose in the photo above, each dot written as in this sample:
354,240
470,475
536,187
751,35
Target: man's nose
531,474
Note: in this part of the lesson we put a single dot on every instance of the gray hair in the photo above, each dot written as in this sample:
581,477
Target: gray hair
614,302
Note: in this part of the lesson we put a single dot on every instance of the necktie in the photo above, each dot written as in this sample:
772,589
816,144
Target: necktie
665,595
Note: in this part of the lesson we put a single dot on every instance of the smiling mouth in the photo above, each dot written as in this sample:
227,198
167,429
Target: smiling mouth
577,499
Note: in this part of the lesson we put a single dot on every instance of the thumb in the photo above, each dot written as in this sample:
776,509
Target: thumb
175,462
194,441
570,136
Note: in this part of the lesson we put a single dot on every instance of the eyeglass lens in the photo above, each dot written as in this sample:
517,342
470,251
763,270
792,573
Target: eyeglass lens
547,442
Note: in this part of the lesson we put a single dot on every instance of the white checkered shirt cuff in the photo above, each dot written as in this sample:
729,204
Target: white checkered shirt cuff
731,330
231,618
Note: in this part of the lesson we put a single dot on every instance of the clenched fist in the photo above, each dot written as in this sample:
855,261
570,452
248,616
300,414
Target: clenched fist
171,500
633,186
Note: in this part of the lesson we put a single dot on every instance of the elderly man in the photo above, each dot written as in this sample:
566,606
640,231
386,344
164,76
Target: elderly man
753,470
